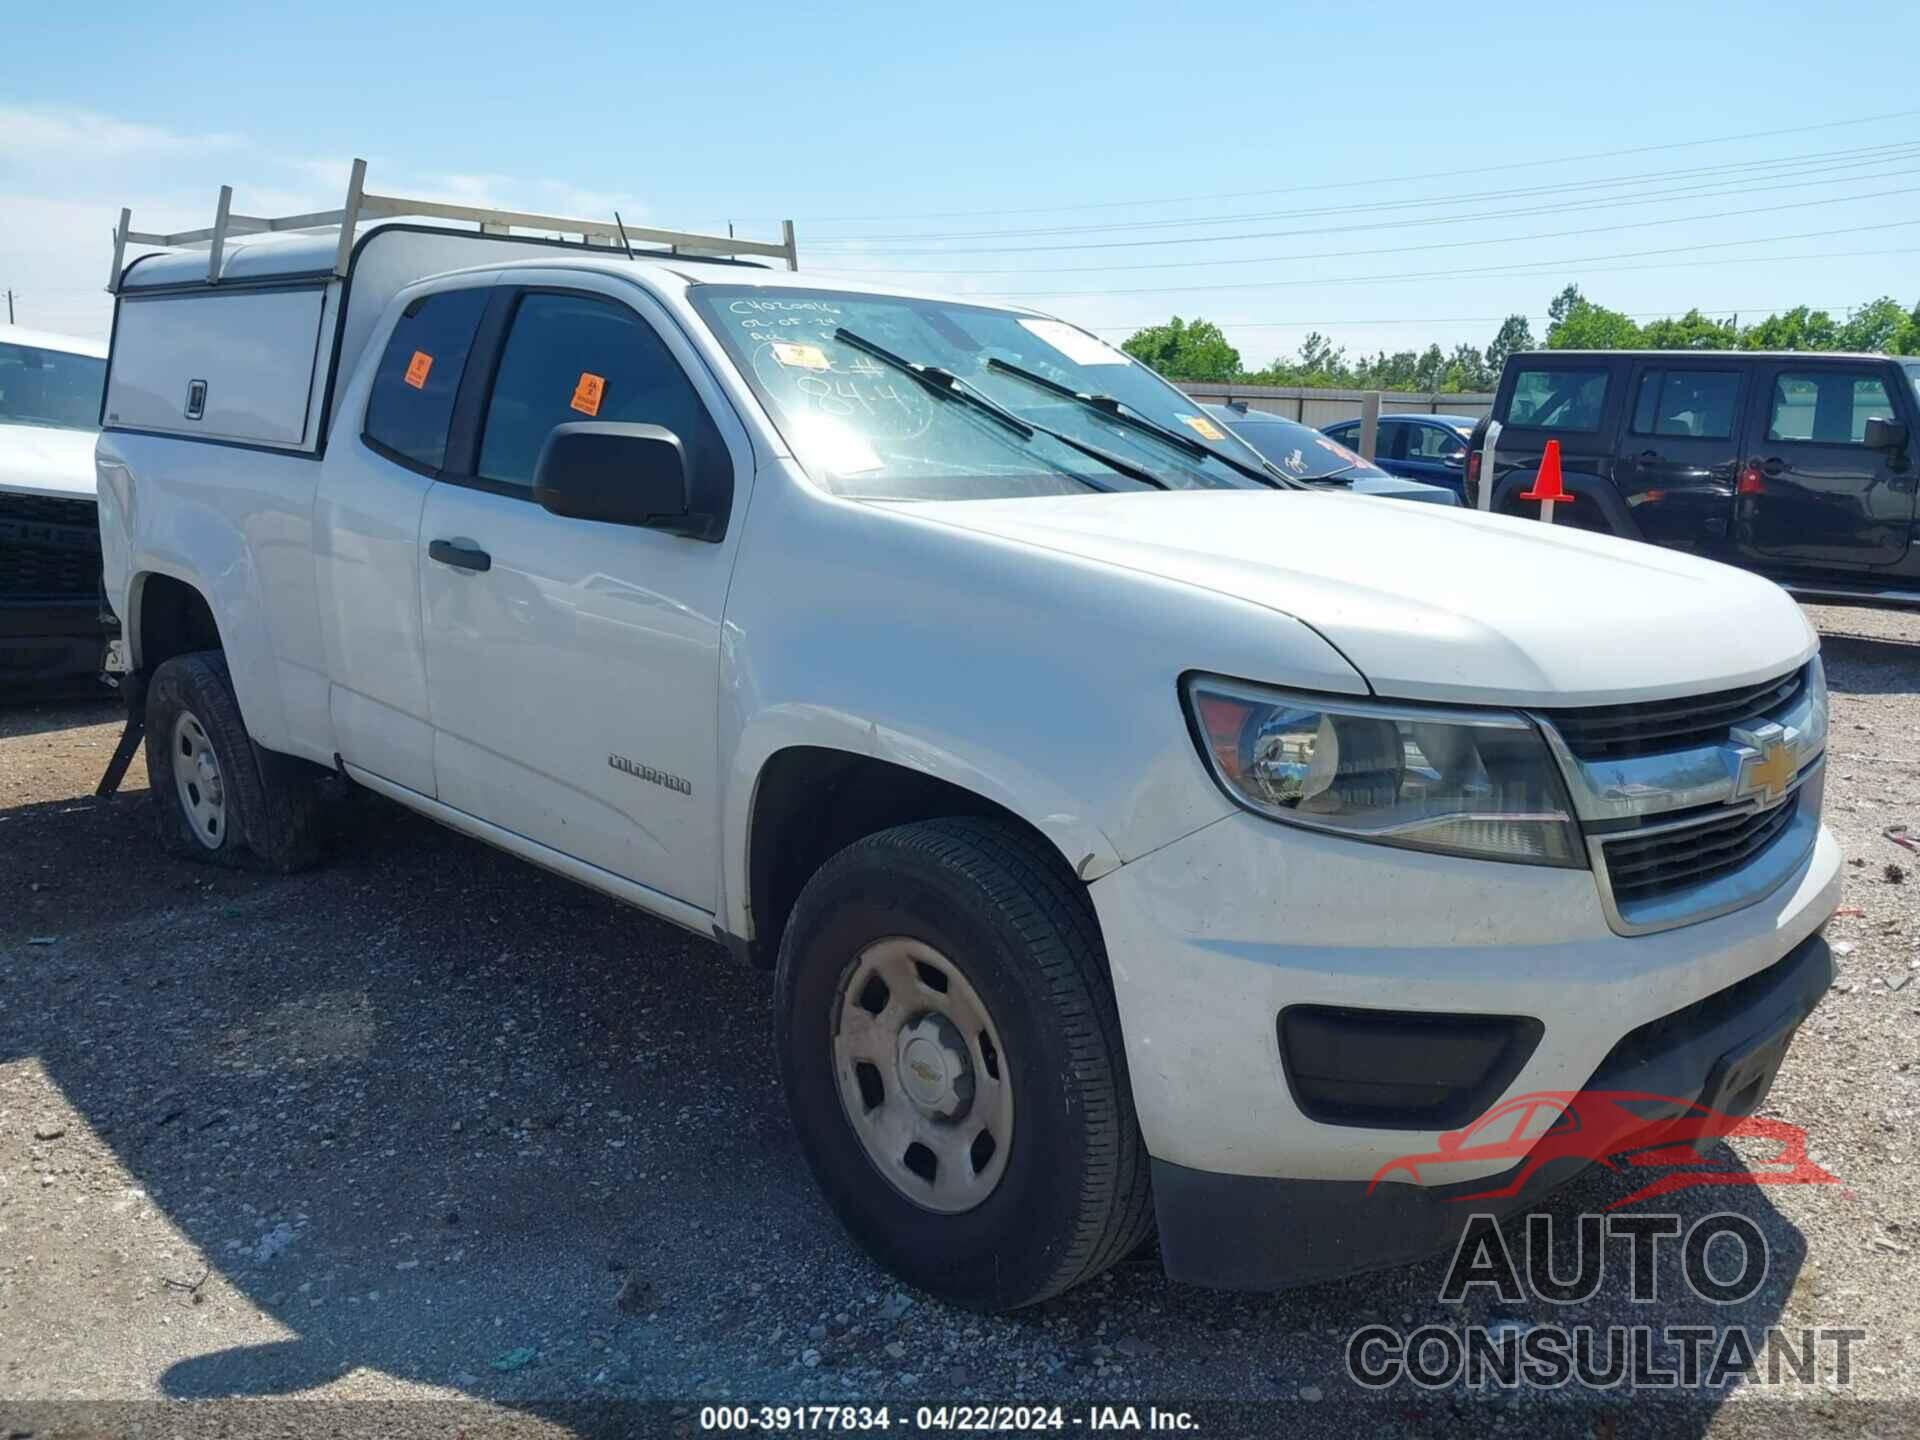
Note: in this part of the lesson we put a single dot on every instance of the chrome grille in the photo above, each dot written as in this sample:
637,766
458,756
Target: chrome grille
1643,868
1620,732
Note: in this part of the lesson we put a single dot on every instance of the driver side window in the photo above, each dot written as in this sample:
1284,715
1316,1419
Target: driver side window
573,357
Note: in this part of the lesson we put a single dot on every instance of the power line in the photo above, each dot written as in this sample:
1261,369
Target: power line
1396,249
1788,164
1416,223
1532,267
1349,184
1706,312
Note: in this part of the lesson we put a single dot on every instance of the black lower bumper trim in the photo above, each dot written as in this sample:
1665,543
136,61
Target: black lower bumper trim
1247,1232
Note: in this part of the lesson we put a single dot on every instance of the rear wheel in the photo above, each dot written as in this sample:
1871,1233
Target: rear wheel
217,796
952,1059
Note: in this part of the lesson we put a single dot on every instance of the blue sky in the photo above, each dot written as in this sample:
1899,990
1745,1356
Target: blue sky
910,140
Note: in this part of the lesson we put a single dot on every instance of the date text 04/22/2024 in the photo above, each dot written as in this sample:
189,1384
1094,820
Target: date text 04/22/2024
963,1419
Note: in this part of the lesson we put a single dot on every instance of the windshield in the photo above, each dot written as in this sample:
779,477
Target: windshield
1299,451
1913,374
864,428
50,387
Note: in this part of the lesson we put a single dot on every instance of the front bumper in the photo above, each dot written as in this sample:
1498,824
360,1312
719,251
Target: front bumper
50,645
1212,937
1247,1232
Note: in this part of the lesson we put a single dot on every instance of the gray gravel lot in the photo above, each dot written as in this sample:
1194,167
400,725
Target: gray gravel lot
429,1124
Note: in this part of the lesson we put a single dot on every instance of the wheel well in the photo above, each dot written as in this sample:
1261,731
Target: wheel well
175,619
1597,506
812,802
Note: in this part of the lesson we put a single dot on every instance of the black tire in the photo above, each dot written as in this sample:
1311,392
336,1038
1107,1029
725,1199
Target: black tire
1074,1198
271,800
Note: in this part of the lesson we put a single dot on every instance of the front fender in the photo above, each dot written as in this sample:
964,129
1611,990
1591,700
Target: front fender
1046,684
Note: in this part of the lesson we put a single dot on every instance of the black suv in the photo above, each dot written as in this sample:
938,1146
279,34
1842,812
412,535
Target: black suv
1799,466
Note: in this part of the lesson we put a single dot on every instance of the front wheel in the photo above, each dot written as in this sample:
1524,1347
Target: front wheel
952,1059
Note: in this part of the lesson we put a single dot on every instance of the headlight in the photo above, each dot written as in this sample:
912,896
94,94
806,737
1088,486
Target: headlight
1464,782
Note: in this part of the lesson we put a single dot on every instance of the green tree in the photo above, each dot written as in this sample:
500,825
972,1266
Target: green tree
1514,334
1877,325
1798,329
1583,325
1907,342
1468,370
1185,350
1692,331
1561,304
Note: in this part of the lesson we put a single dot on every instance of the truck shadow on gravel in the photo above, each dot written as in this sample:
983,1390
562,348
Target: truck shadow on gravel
448,1118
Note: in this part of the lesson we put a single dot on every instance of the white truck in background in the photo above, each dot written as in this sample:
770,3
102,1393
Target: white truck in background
1139,841
51,634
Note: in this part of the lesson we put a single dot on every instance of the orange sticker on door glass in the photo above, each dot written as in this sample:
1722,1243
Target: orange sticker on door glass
417,369
586,395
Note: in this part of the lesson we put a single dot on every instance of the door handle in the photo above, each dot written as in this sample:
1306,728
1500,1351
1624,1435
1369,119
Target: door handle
1773,466
1648,457
461,557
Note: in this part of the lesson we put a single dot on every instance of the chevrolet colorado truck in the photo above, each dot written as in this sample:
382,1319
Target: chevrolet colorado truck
1140,843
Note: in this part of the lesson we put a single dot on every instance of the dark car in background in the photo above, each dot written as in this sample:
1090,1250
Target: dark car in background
1315,459
1799,466
1429,448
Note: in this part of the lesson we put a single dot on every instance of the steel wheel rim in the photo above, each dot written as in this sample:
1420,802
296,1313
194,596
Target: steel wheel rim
923,1075
197,779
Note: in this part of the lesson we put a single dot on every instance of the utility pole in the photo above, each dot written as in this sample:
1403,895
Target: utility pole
10,307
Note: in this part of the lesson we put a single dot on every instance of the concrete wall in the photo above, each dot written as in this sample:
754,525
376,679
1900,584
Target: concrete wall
1328,407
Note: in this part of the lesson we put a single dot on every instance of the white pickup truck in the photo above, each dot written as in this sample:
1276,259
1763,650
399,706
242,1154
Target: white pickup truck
1139,842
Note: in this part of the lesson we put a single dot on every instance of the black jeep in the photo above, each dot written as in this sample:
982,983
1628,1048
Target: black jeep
1799,466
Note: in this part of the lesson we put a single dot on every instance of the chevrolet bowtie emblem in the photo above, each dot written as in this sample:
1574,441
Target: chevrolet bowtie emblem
1767,773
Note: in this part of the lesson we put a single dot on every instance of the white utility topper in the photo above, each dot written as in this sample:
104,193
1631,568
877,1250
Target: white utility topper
1138,838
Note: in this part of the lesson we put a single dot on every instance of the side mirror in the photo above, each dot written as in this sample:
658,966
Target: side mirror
1886,434
1456,461
617,474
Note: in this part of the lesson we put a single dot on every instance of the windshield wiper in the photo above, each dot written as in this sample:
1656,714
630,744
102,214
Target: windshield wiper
1120,412
953,387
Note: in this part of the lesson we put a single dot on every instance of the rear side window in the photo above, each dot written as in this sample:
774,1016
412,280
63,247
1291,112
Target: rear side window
413,390
1698,404
1558,399
571,357
1827,407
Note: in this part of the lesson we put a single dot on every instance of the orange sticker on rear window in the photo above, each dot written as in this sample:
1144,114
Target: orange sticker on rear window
417,369
586,395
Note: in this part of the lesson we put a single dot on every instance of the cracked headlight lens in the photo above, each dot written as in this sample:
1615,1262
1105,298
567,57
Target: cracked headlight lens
1463,782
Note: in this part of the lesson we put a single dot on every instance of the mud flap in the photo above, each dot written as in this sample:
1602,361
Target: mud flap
134,688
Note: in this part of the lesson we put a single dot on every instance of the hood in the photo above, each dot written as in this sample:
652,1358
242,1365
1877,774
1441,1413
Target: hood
40,460
1435,603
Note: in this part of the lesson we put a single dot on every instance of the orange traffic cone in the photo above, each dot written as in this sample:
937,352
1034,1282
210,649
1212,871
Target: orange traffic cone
1546,485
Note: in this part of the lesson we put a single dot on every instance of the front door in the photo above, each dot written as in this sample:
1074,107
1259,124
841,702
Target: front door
1812,495
573,666
1679,458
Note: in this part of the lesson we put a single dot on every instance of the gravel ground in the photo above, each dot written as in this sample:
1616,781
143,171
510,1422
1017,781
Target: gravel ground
427,1124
